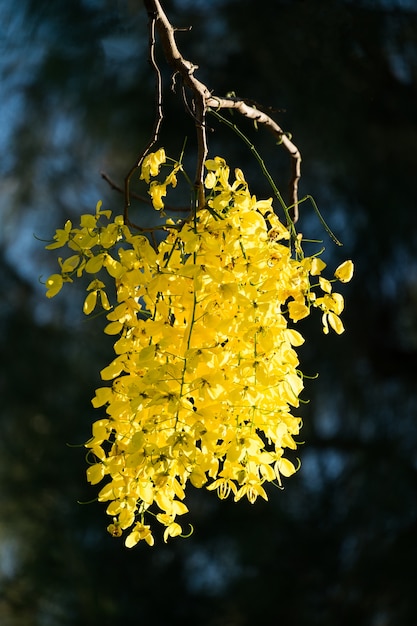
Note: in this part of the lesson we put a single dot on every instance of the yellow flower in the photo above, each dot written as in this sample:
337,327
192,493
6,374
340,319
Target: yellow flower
140,532
54,285
151,164
61,236
223,486
157,191
114,529
173,529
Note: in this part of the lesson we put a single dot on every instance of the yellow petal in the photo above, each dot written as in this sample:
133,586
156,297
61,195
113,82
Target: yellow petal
94,264
88,221
210,181
173,530
90,302
294,337
325,284
113,267
95,473
286,468
197,478
344,272
70,264
112,370
317,265
113,328
178,508
336,323
157,191
132,539
297,310
104,300
103,396
95,284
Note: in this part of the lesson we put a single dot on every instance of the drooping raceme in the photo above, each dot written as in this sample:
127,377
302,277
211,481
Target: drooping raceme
205,377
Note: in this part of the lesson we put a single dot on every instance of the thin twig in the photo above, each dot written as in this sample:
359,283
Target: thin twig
158,116
167,207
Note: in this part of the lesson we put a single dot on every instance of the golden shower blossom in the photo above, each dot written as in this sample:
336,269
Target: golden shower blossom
205,377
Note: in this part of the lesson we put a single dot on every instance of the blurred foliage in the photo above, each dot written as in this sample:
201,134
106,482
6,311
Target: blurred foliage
338,545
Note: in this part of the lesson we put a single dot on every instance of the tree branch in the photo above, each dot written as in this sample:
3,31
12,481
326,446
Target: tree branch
204,99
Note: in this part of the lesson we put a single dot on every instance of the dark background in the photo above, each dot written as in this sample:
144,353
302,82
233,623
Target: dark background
339,544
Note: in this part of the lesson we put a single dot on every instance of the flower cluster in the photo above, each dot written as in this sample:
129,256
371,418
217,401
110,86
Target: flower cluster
205,375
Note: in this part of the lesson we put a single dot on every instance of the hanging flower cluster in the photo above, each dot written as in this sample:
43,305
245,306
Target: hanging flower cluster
205,375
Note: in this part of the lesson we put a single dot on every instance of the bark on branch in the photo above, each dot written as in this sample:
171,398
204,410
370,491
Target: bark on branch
204,99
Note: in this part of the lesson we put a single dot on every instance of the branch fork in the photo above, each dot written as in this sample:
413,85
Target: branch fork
204,100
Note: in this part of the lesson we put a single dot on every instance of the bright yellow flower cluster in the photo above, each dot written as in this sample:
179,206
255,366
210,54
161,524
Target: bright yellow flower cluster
205,373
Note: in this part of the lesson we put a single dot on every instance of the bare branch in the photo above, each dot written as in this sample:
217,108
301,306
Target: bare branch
204,99
202,149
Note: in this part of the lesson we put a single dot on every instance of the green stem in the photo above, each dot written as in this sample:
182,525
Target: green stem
322,220
192,320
